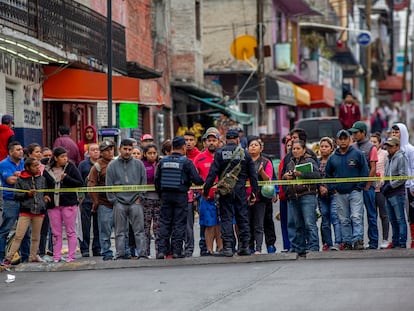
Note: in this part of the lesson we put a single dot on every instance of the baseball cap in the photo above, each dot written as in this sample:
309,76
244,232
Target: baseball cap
392,141
232,133
6,119
147,137
178,142
216,135
358,126
106,144
342,133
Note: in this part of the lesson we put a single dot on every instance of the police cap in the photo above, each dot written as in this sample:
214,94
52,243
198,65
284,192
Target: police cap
178,142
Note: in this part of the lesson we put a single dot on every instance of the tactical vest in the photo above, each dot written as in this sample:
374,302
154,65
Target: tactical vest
172,174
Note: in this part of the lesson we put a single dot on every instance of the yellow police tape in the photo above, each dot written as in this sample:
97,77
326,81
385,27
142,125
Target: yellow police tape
143,188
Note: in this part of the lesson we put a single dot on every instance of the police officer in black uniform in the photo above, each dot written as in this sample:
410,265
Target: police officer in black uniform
234,204
173,178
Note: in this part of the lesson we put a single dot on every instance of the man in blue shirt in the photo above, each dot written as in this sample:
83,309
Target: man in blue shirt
10,169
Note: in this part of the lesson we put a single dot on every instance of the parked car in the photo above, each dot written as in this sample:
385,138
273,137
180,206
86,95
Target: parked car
319,127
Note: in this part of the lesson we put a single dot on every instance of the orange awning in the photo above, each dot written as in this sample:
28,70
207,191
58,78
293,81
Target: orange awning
320,96
82,85
303,97
391,83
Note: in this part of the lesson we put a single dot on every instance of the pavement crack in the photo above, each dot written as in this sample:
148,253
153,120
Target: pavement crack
237,291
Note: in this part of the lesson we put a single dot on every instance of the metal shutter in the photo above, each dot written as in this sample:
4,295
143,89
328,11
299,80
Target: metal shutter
10,101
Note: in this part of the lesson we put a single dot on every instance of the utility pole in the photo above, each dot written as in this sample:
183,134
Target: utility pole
407,22
368,10
109,58
260,68
405,67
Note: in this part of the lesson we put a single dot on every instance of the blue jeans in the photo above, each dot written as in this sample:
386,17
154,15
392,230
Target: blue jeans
396,214
330,218
351,215
284,224
105,225
9,217
304,214
372,214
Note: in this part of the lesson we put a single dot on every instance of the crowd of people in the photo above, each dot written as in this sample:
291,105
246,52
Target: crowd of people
233,218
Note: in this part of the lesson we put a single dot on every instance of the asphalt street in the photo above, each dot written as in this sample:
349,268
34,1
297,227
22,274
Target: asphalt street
331,284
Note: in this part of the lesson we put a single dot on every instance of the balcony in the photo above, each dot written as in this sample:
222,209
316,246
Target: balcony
66,25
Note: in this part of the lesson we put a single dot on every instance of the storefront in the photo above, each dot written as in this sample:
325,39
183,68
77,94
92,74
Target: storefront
20,96
77,98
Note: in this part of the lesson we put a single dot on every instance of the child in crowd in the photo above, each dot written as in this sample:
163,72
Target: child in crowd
32,209
326,200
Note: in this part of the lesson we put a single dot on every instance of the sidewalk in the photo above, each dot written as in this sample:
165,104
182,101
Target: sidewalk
96,263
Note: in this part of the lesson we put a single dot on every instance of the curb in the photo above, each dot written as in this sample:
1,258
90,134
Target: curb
83,264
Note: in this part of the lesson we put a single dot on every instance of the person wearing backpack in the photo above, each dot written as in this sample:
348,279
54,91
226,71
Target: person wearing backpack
233,204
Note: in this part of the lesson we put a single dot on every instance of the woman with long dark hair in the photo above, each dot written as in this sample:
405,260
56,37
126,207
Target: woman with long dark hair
61,173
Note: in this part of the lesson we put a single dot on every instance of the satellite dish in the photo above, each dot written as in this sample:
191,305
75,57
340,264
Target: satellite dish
243,47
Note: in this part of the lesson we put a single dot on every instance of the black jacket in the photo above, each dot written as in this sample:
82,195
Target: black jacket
72,179
221,159
35,204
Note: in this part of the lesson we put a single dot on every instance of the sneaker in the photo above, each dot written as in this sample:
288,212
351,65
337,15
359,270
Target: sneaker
257,253
37,259
385,244
347,246
160,256
125,257
176,256
85,254
335,247
61,260
341,246
359,245
6,262
244,252
47,258
144,257
271,249
325,247
403,246
225,252
107,258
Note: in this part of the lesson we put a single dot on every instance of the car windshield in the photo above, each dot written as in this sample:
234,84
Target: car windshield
316,129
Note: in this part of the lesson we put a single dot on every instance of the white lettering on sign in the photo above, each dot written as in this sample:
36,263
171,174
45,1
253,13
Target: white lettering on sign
171,165
227,155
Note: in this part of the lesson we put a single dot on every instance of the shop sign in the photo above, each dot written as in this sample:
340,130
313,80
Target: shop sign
19,68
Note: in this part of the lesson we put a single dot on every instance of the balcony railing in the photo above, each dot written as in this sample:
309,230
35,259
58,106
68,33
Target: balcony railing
68,25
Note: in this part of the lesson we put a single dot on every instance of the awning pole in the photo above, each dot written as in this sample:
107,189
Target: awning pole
109,60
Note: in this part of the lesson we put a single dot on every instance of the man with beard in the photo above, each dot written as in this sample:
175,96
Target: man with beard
209,224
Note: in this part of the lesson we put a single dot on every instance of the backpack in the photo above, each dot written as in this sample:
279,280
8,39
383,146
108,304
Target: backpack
98,169
228,180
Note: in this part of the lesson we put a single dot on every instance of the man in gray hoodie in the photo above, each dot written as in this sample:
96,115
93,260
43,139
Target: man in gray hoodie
399,130
394,191
127,206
